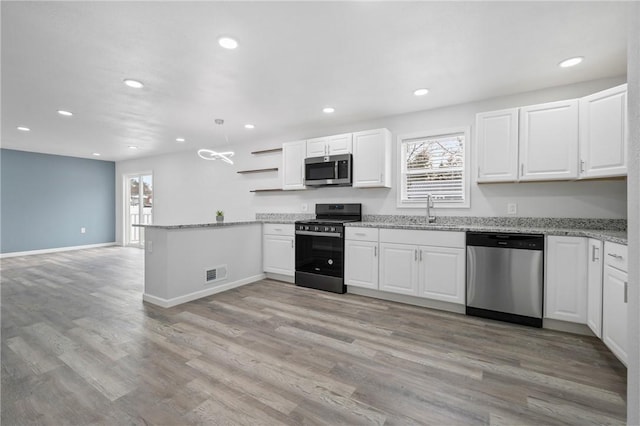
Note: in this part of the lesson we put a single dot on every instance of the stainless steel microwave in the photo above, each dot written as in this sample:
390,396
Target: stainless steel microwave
328,170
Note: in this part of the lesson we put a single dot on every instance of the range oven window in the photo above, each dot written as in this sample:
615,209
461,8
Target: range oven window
320,255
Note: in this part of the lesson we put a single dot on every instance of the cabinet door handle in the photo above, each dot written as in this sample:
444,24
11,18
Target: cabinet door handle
420,255
615,256
375,251
626,286
381,177
362,234
581,166
291,243
521,169
277,229
415,255
593,253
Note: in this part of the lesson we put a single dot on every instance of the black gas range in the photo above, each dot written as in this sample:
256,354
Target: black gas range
320,247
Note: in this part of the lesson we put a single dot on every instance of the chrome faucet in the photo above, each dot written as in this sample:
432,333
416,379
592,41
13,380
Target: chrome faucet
430,218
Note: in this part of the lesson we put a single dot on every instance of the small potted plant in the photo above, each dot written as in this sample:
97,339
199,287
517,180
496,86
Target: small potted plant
219,216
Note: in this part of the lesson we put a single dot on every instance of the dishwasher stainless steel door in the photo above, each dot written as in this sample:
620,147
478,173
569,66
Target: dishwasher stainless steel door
505,277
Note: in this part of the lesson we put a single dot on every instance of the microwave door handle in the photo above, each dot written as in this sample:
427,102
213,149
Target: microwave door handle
336,170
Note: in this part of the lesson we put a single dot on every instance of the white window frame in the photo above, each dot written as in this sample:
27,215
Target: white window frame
466,130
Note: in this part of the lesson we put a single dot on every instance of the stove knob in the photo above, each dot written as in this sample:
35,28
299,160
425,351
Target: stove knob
333,229
317,229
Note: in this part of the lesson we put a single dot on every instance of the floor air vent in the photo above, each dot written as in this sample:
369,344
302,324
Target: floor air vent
218,273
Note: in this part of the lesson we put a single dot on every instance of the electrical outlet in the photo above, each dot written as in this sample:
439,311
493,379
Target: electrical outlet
305,207
512,208
83,230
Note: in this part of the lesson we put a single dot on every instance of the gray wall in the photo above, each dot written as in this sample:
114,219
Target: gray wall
46,199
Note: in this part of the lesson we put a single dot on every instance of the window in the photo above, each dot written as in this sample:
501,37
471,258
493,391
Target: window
434,163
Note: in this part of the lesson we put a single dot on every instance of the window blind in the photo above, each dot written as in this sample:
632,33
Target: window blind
433,165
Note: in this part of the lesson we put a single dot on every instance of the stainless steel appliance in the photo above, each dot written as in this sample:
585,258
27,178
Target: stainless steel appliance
328,170
320,247
505,277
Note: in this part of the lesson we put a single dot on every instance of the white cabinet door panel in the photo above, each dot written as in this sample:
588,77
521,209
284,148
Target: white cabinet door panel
549,141
278,254
566,279
293,155
614,310
361,264
497,139
372,159
603,133
594,287
339,144
442,274
399,268
317,147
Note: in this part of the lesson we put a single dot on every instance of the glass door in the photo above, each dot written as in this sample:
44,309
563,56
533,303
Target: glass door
138,207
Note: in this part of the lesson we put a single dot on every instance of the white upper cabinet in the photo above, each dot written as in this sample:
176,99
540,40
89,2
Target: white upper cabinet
497,139
566,279
329,145
293,155
372,159
603,133
549,141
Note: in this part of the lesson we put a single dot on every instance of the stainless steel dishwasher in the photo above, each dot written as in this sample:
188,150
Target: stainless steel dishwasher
505,276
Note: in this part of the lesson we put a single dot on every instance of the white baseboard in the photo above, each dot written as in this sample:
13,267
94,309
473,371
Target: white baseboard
54,250
169,303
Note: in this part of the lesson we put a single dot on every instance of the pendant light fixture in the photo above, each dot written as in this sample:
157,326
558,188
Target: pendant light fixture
208,154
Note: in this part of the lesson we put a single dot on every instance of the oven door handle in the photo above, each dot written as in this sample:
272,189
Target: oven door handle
320,234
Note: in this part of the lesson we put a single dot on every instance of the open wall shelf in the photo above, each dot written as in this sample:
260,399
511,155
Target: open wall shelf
271,169
266,151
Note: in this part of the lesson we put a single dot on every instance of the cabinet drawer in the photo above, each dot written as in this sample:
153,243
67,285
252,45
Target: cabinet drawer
615,255
424,238
361,234
278,229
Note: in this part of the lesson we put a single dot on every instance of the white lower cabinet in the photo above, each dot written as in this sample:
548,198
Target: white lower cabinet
594,286
566,279
399,268
278,249
614,300
427,264
361,257
442,274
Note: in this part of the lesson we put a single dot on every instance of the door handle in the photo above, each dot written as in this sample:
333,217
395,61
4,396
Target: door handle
291,243
581,166
593,253
615,256
375,251
521,169
415,255
420,255
626,286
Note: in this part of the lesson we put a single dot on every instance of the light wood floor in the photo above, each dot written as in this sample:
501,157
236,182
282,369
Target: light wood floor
80,347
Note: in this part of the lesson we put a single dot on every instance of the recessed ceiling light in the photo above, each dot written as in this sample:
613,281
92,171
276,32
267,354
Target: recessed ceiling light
96,154
65,113
133,83
23,129
133,147
227,42
180,140
249,126
328,110
570,62
420,92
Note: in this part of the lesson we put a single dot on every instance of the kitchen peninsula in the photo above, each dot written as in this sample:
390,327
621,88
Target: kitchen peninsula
187,262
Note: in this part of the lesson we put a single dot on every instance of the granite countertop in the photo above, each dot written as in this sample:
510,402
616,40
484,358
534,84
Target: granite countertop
615,236
204,225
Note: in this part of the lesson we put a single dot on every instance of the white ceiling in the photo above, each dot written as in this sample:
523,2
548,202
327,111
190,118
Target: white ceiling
363,58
